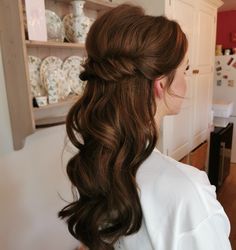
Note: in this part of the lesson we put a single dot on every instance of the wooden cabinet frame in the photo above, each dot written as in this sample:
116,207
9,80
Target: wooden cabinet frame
23,116
15,71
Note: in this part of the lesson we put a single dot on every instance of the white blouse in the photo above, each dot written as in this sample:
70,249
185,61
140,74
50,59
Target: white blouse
180,209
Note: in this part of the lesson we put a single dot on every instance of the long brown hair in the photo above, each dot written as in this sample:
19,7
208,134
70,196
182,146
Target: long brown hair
112,125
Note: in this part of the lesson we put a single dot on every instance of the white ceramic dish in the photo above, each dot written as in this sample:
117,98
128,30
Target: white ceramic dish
37,88
57,85
55,27
49,64
41,101
69,27
72,68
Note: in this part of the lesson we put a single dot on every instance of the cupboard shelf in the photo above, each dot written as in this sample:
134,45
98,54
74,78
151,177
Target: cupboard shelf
50,121
49,44
97,5
69,100
53,114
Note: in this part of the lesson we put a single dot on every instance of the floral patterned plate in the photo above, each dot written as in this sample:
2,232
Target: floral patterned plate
37,88
72,68
50,63
76,84
76,28
55,27
57,86
68,26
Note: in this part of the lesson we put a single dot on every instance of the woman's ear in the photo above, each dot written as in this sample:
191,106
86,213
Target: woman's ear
159,87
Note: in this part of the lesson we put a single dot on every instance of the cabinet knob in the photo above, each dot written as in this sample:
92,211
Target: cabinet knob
195,71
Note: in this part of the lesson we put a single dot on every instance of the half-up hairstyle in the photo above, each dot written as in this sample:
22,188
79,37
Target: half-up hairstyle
112,125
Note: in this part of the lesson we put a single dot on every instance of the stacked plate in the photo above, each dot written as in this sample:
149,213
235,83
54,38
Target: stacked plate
72,68
55,78
37,88
55,27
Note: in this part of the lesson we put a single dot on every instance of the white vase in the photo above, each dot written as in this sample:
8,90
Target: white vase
81,22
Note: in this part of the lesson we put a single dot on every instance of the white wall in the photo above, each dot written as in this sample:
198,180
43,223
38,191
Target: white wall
30,180
151,7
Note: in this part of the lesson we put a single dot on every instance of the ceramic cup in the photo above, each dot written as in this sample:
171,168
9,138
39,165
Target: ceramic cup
41,100
227,52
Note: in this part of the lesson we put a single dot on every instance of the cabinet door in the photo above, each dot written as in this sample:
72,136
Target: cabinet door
202,105
177,129
203,68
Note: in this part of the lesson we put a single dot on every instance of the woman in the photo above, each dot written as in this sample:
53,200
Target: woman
130,195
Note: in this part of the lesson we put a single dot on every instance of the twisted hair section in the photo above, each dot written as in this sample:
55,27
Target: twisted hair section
112,125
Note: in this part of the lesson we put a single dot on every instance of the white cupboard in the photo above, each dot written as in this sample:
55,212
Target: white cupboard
177,130
204,61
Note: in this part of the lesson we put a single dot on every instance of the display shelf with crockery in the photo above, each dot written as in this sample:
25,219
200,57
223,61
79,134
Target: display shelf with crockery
61,20
22,59
61,88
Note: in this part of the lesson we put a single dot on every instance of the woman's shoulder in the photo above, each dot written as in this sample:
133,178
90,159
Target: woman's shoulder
182,190
159,168
175,198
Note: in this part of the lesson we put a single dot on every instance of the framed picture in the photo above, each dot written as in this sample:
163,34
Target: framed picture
36,20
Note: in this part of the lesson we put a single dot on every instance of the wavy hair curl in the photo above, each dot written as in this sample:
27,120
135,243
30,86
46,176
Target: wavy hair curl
126,51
